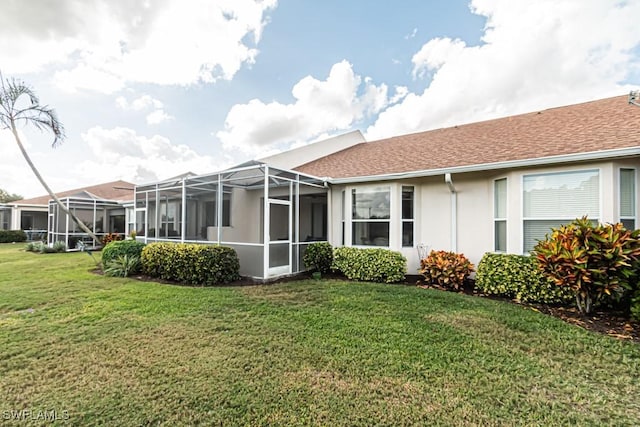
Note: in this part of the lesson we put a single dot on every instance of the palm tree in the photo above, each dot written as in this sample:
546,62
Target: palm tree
13,112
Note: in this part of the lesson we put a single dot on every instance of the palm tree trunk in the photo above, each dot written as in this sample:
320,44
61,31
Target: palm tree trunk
51,193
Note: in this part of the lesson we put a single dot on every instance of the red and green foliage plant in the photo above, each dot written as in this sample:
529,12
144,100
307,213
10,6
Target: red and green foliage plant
446,269
111,237
593,260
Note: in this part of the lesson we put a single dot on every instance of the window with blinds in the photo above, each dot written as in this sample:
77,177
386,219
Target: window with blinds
628,198
552,199
500,214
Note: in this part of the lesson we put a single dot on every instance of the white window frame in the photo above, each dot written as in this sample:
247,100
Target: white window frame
633,217
497,219
354,191
411,220
559,218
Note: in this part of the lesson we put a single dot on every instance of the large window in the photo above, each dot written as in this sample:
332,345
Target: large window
628,198
407,216
500,214
558,198
370,214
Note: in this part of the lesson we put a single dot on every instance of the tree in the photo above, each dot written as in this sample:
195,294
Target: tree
6,197
19,104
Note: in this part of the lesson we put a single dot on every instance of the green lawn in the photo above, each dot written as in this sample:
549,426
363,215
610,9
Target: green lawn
106,351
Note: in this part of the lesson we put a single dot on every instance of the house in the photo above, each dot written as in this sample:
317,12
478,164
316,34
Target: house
497,185
104,208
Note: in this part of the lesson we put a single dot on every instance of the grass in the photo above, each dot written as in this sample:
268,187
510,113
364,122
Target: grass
111,351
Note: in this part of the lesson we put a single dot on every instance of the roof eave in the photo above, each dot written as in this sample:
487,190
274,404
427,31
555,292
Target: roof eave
538,161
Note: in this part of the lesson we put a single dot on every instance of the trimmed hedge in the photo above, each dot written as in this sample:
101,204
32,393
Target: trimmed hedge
190,263
518,276
371,265
12,236
116,249
318,257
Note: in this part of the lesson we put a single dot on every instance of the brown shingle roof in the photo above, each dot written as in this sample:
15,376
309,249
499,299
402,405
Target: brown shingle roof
592,126
115,190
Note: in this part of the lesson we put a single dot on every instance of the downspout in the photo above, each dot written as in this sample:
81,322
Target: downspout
454,212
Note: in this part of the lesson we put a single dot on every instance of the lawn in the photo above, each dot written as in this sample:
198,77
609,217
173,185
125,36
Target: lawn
105,351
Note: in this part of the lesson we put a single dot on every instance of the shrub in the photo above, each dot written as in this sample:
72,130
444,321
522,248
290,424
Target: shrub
635,306
43,248
374,265
33,246
518,276
191,263
593,260
123,266
111,237
319,257
12,236
446,269
59,246
119,248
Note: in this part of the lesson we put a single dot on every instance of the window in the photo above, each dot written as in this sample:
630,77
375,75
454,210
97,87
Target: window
407,216
370,214
5,215
558,198
500,215
343,208
211,211
628,198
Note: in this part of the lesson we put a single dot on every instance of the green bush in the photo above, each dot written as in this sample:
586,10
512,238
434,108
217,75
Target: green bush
119,248
635,306
123,266
518,276
318,257
12,236
446,269
191,263
596,261
373,265
43,248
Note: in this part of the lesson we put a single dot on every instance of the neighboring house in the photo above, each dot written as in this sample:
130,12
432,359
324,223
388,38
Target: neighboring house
104,208
497,185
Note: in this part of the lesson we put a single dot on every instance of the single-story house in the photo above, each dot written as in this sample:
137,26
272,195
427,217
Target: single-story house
497,185
104,208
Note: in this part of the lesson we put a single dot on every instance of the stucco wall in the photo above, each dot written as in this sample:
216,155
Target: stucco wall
474,219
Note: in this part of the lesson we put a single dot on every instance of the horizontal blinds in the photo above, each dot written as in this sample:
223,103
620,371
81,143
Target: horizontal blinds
627,192
535,230
562,195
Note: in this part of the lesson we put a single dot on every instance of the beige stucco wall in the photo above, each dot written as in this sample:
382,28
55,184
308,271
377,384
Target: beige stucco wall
474,220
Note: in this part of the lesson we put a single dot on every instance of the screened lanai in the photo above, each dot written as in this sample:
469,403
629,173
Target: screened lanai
268,215
100,216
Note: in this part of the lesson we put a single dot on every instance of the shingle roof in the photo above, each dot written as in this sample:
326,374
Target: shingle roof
592,126
115,190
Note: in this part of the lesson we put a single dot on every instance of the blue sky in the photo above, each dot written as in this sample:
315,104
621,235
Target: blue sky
151,89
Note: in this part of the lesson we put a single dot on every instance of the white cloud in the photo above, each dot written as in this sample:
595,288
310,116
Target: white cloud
142,103
105,44
412,34
321,106
157,117
123,153
533,55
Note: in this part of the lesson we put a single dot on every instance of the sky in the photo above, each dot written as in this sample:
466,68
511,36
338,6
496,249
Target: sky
151,89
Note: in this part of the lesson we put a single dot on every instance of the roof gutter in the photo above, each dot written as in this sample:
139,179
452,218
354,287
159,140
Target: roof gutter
454,212
580,157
